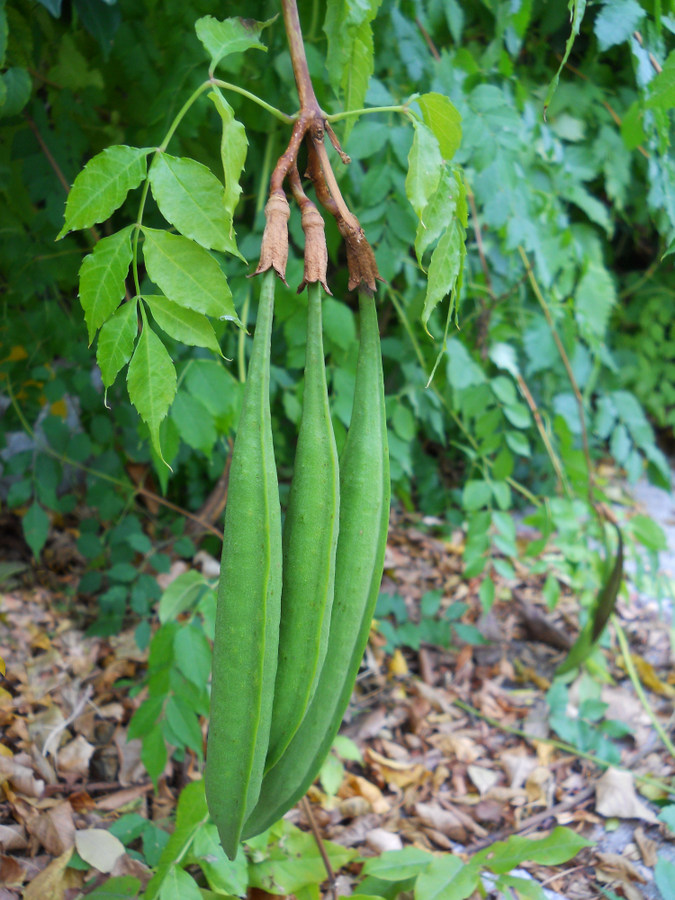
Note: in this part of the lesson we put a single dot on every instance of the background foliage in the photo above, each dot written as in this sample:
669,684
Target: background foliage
570,230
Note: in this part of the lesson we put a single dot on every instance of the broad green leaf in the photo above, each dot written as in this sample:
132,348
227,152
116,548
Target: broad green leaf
223,875
443,118
103,184
476,494
561,845
193,654
648,532
191,816
616,22
191,198
233,149
153,754
181,594
116,341
447,878
183,722
397,865
16,91
295,863
662,87
151,382
102,276
35,525
188,274
178,885
182,324
235,35
194,422
425,164
577,9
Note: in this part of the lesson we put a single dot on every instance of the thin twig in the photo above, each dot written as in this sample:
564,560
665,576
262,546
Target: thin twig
332,886
563,483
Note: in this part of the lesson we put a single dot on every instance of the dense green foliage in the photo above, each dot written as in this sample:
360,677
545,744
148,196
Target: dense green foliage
566,198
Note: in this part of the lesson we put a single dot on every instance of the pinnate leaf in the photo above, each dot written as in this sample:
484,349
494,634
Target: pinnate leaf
188,274
445,269
116,342
190,196
443,118
102,276
182,324
447,876
235,35
151,382
103,184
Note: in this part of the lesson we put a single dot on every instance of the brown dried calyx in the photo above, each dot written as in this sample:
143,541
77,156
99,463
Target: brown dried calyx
363,273
361,262
274,247
316,252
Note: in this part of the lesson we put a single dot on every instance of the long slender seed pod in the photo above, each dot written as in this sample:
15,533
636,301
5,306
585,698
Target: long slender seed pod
249,599
309,542
364,518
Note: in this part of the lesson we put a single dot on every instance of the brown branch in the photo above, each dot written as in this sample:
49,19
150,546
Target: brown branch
299,58
332,886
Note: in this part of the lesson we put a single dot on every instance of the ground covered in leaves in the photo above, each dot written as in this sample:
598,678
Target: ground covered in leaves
443,760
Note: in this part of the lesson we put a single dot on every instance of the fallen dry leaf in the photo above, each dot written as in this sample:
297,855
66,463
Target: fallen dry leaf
53,882
99,848
615,797
54,828
442,820
20,777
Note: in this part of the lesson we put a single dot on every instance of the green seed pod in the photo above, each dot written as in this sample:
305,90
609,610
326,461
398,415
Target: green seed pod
309,542
249,599
364,519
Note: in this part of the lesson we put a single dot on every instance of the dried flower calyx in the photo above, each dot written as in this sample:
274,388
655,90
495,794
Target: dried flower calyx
316,252
274,247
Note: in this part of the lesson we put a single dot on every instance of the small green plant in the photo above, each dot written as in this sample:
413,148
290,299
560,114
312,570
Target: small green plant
438,623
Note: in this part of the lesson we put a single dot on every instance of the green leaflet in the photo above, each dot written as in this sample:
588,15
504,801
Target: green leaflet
103,184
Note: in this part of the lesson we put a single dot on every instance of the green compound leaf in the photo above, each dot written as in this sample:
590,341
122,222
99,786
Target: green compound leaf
233,149
116,341
151,382
425,165
443,118
220,39
191,198
445,203
102,276
188,274
103,184
182,324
